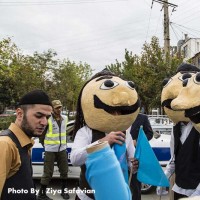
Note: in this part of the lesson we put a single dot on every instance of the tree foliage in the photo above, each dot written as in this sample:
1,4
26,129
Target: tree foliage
68,81
9,57
19,74
147,71
63,79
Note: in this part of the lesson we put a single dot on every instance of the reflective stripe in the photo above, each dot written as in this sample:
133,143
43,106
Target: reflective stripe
50,127
53,138
51,135
55,142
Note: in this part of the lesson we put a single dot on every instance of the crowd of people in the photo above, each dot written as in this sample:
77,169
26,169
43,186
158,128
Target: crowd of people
107,111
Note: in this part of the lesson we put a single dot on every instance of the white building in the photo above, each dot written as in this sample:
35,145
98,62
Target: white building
189,47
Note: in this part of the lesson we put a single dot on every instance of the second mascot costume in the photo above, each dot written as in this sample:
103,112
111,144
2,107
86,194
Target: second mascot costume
185,150
106,103
189,100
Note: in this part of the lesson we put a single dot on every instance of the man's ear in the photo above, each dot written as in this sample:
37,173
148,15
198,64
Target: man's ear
19,113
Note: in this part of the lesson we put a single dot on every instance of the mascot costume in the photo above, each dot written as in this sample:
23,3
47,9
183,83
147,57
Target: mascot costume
171,89
184,179
106,104
189,100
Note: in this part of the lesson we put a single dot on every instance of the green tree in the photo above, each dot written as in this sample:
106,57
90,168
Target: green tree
34,72
68,80
147,71
10,54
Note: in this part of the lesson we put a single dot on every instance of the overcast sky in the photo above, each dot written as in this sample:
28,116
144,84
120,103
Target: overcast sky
93,31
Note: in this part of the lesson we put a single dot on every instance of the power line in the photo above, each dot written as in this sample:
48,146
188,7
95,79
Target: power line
41,3
97,46
148,25
177,37
125,29
185,13
193,18
183,31
198,31
147,2
93,41
184,2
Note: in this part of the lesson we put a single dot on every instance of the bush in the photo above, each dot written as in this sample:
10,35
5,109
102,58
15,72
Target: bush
5,122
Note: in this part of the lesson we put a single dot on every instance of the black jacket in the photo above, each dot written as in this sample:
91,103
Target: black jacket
22,179
187,158
141,120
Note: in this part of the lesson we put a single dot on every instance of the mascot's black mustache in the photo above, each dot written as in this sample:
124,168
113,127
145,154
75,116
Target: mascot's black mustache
122,110
193,114
167,103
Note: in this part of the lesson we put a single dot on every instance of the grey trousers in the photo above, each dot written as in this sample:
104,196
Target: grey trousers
62,163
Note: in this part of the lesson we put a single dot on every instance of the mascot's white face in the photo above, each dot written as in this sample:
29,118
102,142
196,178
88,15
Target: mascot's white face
109,104
170,91
188,100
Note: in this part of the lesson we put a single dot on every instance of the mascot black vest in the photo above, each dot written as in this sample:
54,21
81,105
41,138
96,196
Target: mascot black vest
83,184
22,179
187,159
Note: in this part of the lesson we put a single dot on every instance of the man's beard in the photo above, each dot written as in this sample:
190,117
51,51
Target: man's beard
25,126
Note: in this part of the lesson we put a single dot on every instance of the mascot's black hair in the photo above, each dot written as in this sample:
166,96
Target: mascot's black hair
187,67
80,121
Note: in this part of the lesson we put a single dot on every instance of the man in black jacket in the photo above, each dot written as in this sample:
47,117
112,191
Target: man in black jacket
32,114
141,120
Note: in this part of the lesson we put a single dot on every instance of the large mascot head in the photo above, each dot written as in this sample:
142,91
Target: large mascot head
189,100
171,89
107,103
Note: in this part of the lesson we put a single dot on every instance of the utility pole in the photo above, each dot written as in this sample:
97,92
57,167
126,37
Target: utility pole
166,28
166,4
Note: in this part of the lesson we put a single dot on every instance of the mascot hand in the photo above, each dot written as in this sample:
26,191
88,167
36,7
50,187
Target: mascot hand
161,191
114,137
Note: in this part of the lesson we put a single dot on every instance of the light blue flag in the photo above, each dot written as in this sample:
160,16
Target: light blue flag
120,152
149,171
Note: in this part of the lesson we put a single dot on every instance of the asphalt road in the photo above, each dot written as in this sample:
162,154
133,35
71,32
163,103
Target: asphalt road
55,189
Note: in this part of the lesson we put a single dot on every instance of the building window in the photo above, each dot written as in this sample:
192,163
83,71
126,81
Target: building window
197,47
185,51
198,62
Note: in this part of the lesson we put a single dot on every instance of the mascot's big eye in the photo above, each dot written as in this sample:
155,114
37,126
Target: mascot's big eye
197,78
185,76
108,84
130,84
166,81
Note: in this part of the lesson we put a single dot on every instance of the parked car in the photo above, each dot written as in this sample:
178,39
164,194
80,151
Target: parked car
160,144
162,127
8,113
38,157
